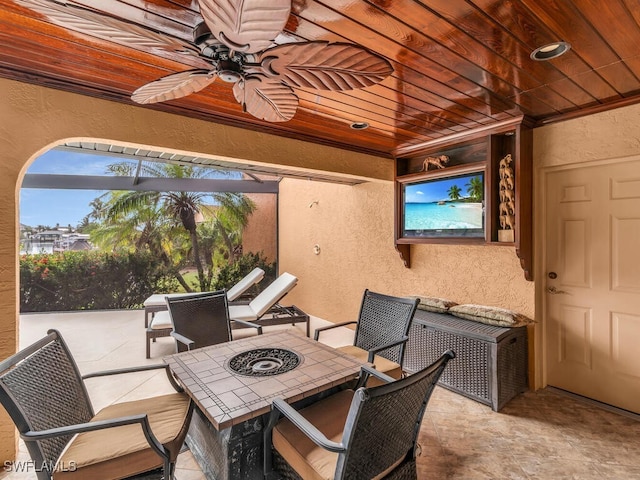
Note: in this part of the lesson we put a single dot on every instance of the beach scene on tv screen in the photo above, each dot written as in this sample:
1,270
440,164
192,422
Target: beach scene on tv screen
446,204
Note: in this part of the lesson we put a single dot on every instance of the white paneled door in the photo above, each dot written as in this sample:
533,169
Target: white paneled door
592,282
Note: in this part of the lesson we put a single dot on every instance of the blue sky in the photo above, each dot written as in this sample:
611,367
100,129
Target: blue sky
40,206
435,191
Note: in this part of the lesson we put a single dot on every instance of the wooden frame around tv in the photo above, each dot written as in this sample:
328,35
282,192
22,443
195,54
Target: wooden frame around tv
484,150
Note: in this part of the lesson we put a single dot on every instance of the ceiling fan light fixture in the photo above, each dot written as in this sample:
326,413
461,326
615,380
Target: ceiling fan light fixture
549,51
359,125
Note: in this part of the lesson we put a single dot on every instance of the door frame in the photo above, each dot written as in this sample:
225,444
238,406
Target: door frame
541,175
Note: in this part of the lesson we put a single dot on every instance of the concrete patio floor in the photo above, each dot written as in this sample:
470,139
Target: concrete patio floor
538,435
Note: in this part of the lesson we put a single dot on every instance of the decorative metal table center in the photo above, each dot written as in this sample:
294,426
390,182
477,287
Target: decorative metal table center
263,362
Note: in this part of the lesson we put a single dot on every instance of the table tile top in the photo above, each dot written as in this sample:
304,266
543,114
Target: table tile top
228,398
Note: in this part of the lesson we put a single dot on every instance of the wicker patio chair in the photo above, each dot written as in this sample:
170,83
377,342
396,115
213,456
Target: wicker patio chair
42,390
381,332
370,432
157,321
202,320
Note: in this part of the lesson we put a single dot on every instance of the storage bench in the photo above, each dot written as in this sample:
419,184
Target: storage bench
490,364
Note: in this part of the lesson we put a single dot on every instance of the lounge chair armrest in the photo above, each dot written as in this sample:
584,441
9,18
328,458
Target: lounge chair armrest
376,350
183,340
335,325
142,419
306,427
249,325
141,368
366,371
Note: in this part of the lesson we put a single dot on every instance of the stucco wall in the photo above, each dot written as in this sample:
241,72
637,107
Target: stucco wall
608,135
354,228
260,233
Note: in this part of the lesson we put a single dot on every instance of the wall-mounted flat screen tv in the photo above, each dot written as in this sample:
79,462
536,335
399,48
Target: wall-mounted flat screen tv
451,206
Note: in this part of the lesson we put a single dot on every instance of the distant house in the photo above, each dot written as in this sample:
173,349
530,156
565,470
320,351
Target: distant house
80,244
50,241
46,236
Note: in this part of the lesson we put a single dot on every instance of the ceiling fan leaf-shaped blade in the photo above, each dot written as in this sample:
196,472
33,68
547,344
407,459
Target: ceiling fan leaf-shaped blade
173,86
79,19
245,25
325,66
266,100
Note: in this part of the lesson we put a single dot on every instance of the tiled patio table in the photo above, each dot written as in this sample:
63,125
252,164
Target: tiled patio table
226,432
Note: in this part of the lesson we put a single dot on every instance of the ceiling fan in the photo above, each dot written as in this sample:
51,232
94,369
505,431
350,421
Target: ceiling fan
238,43
235,43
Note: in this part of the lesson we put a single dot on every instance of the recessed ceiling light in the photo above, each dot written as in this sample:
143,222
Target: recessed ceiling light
359,125
552,50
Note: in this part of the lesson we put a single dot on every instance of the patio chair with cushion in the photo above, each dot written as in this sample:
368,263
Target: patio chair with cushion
42,390
381,332
157,320
369,432
202,320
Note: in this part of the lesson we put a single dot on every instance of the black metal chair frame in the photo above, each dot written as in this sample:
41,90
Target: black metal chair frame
205,317
372,441
46,363
383,325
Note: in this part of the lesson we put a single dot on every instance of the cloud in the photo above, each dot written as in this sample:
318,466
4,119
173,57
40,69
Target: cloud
419,193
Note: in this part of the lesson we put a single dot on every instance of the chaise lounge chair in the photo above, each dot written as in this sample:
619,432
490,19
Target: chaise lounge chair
265,310
156,302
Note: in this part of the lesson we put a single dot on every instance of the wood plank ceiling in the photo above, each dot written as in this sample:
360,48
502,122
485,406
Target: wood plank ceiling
459,65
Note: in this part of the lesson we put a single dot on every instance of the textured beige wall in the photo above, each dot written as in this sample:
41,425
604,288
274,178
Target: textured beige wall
609,135
260,233
354,228
33,119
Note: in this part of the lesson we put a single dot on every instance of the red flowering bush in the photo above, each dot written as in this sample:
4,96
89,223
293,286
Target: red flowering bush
89,281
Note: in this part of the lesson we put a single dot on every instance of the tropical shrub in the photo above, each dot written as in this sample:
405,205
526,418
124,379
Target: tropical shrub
232,273
84,280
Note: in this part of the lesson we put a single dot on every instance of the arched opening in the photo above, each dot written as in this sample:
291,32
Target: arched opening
34,119
104,232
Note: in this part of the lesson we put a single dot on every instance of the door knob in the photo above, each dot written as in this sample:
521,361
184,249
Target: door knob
552,275
555,291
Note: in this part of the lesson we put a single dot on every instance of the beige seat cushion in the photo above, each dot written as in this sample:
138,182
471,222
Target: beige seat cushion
310,461
382,364
242,312
123,451
305,457
161,321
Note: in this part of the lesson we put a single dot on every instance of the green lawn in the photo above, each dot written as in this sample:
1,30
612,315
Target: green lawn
191,277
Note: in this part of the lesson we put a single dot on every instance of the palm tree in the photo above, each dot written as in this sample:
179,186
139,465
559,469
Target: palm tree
475,189
138,229
182,207
454,192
